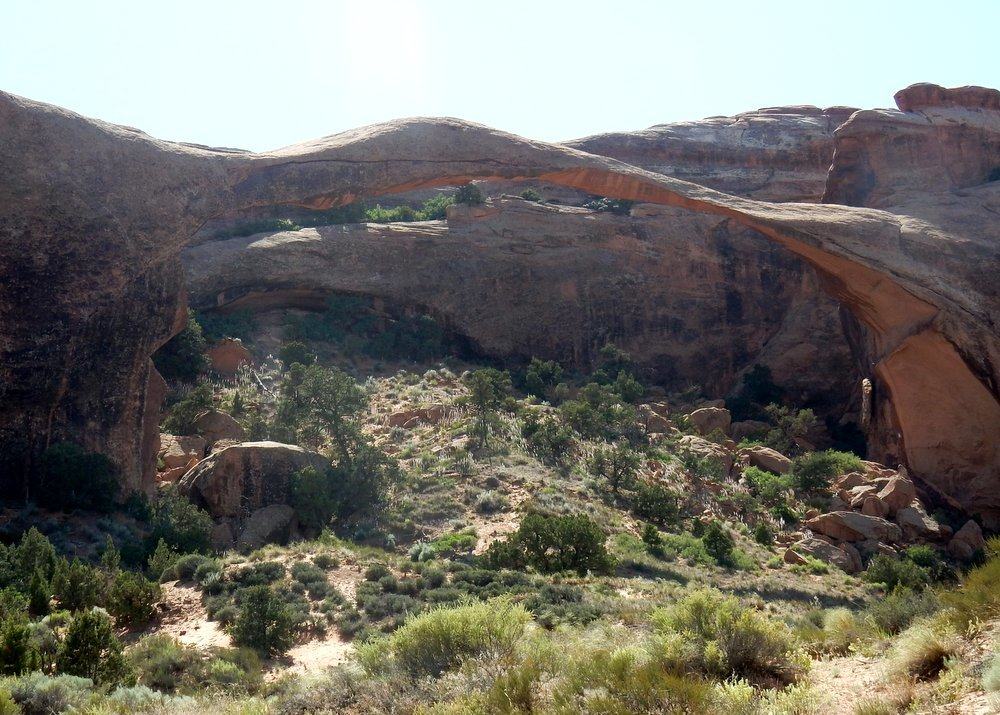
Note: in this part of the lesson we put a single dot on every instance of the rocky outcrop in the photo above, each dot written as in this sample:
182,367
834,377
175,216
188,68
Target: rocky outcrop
226,356
967,542
217,426
772,154
707,420
852,526
767,459
691,300
238,480
93,216
844,556
178,454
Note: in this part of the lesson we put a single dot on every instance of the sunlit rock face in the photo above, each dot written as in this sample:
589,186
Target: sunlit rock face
93,218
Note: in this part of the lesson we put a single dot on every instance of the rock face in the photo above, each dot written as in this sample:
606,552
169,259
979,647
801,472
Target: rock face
692,301
710,419
93,217
216,426
227,355
851,526
773,154
845,556
236,481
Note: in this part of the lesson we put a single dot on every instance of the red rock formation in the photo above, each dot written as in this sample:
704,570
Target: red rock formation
93,217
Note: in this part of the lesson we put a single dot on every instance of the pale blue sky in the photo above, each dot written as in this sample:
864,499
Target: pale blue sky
261,75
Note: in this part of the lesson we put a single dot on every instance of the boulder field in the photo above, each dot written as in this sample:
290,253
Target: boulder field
93,219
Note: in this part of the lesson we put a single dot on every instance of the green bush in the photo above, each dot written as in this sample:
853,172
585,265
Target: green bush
762,534
709,633
444,638
618,465
599,413
719,543
78,586
238,324
71,478
295,352
813,472
488,389
40,694
179,523
893,572
770,489
657,504
183,356
551,544
894,612
922,651
991,674
132,599
265,623
530,194
92,650
163,663
620,207
470,195
549,440
311,494
182,414
977,599
541,376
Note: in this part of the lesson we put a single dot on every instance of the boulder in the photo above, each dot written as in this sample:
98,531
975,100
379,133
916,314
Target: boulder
916,524
897,493
226,356
702,448
768,459
874,506
849,481
851,526
748,428
411,418
844,557
855,497
238,480
178,451
709,419
169,476
272,524
873,547
222,536
216,426
654,422
967,541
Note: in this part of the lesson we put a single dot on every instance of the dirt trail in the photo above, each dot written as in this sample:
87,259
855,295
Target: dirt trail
186,620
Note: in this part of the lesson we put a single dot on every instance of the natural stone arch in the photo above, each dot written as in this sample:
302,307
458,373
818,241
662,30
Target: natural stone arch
72,184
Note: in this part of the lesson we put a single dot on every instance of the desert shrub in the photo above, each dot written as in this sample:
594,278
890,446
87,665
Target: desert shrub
435,208
161,560
39,694
769,488
161,662
922,651
762,534
34,553
295,351
895,611
813,472
554,604
530,194
991,674
599,413
895,572
490,502
442,639
16,652
656,504
133,598
789,425
92,650
311,494
265,623
182,414
183,356
651,538
71,478
977,599
719,543
541,376
258,574
709,633
216,326
186,566
470,195
77,585
841,628
179,523
617,465
551,544
927,557
550,440
616,206
627,387
326,561
488,389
